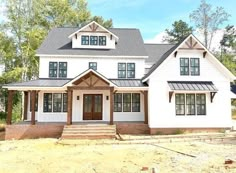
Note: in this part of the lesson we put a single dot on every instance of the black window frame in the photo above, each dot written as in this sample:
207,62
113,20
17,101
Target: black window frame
118,98
47,102
93,40
121,70
57,105
179,104
135,102
130,70
93,65
189,103
194,66
184,66
102,40
200,103
127,103
53,69
62,69
84,40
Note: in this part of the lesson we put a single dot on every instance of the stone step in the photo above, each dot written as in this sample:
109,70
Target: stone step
89,129
90,132
89,137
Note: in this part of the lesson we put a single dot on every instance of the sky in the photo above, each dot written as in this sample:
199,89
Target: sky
152,17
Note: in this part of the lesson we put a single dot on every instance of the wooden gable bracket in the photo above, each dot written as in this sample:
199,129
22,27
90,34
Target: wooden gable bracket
115,91
170,95
204,54
175,53
212,95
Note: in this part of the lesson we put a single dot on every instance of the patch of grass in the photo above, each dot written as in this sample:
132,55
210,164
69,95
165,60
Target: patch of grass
234,114
159,133
178,132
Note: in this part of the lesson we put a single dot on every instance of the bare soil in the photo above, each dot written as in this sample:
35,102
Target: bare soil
106,156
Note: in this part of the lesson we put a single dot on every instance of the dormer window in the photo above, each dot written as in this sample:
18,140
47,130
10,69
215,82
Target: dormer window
93,40
102,40
85,40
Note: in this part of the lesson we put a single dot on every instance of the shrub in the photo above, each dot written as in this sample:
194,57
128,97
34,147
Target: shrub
178,132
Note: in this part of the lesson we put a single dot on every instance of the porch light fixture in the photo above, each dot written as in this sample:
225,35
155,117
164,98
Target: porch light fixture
77,97
107,97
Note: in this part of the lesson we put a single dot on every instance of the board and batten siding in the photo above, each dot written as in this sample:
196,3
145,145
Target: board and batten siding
108,67
162,113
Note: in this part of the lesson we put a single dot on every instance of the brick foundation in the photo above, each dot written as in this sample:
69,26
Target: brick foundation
167,131
26,131
132,128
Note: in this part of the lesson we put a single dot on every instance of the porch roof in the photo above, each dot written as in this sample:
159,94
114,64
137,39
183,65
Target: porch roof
192,86
128,82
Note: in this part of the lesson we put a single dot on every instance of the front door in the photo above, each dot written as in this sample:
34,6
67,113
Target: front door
92,107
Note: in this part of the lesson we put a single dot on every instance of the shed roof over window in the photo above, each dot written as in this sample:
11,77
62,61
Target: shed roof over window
192,86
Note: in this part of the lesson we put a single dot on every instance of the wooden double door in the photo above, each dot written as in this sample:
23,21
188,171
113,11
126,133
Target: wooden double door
92,107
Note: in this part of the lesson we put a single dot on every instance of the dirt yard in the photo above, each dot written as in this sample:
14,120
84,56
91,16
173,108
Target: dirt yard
105,156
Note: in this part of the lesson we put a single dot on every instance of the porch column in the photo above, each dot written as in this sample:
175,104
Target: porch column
9,106
111,105
25,105
69,106
33,98
145,107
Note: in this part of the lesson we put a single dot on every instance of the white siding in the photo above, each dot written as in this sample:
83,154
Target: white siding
108,67
162,113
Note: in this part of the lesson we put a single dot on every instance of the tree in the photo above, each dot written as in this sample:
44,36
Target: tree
229,38
101,21
180,31
208,20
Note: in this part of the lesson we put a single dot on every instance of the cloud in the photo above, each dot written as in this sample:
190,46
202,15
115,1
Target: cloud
157,38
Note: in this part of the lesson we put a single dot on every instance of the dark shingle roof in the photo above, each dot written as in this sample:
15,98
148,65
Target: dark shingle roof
41,83
130,43
192,85
128,82
155,51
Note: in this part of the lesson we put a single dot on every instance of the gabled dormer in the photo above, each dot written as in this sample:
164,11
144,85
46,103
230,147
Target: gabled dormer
93,36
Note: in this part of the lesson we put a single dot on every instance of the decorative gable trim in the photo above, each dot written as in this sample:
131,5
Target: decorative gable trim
93,26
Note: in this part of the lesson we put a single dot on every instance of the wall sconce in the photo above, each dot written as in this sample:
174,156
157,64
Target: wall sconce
107,97
77,97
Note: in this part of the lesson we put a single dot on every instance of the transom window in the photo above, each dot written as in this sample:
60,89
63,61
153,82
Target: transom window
190,104
126,102
85,40
55,102
55,71
126,70
189,66
93,40
102,40
93,65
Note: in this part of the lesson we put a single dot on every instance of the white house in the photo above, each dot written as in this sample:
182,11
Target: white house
94,74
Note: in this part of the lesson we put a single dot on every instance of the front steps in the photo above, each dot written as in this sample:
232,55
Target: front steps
89,131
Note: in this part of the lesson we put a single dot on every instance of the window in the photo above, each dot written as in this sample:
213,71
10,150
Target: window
190,104
93,65
36,104
93,40
127,102
118,102
180,104
184,66
130,70
135,102
195,67
53,69
47,102
84,40
64,102
201,104
55,102
102,40
62,69
121,70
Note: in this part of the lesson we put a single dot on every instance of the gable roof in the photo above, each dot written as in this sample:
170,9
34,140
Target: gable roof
175,48
155,51
90,24
57,43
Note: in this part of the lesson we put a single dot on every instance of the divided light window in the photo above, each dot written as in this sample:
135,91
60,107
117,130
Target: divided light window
190,104
93,65
121,70
190,66
130,70
53,69
127,102
84,40
93,40
62,69
102,40
126,70
55,102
